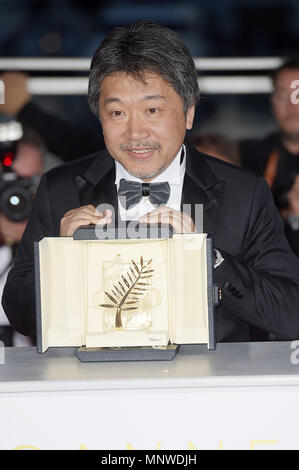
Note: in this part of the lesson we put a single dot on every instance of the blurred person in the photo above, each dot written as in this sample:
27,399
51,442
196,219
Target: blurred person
64,139
29,163
143,86
216,145
226,149
276,156
291,216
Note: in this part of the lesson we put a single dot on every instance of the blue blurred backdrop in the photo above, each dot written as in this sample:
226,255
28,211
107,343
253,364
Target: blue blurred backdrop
210,28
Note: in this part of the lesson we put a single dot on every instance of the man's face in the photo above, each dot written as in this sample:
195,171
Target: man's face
143,123
29,161
286,113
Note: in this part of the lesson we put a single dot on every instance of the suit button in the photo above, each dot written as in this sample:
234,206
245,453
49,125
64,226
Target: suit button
231,288
227,285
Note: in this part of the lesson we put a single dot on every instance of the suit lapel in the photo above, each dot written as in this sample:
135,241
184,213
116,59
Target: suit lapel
202,187
97,185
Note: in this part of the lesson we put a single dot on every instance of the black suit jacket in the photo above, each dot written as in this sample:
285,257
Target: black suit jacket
259,276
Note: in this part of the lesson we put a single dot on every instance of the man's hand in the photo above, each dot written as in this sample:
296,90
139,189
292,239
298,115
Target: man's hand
180,221
84,215
16,94
11,232
293,198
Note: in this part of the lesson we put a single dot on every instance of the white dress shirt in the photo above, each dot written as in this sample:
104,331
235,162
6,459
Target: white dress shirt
174,174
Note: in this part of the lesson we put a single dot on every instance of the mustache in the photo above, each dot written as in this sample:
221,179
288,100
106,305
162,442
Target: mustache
140,145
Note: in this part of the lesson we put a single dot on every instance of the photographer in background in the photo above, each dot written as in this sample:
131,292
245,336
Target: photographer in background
23,160
64,139
276,157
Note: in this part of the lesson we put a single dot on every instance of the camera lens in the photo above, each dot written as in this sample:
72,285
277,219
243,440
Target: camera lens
16,202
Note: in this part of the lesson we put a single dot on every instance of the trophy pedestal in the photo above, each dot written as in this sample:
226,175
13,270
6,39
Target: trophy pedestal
127,354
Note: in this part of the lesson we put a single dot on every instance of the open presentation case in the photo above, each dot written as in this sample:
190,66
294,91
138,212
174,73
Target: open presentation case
124,299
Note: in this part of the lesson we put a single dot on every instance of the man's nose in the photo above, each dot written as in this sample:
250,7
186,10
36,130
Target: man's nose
136,128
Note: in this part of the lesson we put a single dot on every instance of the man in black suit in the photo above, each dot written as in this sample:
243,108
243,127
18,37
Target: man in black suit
276,156
143,86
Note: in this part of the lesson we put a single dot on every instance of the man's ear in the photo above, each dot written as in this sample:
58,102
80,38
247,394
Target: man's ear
190,117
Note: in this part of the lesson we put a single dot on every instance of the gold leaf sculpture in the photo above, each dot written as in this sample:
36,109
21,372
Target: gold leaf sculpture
127,293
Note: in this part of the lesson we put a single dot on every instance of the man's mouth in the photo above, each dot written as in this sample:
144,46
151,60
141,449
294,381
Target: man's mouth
141,154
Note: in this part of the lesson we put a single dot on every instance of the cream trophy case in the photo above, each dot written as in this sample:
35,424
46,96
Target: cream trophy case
125,298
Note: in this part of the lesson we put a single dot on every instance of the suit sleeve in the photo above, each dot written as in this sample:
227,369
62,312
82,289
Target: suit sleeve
262,286
18,298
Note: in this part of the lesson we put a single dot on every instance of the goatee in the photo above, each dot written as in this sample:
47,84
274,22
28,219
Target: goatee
148,176
291,137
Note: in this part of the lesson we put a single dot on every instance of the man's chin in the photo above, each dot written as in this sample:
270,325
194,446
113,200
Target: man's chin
145,175
292,135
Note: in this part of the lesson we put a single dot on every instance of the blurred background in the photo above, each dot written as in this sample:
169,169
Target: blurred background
211,29
45,52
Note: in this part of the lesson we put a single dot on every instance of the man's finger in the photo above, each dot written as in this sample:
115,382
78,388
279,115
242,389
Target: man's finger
83,210
180,221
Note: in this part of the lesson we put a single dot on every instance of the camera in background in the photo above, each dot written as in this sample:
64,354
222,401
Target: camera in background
18,183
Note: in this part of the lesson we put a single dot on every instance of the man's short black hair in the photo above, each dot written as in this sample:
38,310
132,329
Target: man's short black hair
288,64
144,47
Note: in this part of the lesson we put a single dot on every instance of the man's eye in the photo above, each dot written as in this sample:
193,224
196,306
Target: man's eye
153,110
116,113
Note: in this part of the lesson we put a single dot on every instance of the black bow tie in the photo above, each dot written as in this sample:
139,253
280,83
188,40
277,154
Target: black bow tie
131,192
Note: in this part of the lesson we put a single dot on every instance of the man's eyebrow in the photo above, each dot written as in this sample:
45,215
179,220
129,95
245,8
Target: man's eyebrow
153,97
112,99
